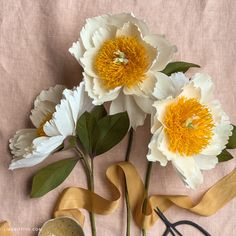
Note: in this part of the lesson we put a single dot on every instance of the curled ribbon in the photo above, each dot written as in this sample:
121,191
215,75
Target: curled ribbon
72,199
5,229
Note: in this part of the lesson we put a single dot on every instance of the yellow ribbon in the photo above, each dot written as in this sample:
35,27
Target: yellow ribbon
72,199
5,229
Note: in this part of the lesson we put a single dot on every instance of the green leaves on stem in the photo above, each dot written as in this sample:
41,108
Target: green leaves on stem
99,132
225,155
178,66
51,176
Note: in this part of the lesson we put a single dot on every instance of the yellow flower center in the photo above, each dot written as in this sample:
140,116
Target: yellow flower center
188,126
122,61
40,130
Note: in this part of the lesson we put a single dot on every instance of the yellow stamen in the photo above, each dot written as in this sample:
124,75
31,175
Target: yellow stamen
188,126
122,61
40,130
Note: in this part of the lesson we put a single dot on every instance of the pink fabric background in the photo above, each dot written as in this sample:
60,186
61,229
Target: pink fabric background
34,41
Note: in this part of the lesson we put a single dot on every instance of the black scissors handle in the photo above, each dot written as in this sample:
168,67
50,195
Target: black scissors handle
171,227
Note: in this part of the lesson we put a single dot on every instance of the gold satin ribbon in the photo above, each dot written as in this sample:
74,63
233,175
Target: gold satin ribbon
5,229
72,199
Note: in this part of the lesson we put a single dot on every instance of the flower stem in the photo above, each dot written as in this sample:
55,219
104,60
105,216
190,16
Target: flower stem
130,141
147,182
88,167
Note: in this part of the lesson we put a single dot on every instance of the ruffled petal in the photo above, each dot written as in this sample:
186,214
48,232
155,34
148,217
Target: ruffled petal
88,61
53,94
39,113
103,34
164,48
205,84
222,130
45,104
206,162
189,171
130,29
97,92
117,20
21,141
41,148
167,86
77,50
154,154
127,103
78,100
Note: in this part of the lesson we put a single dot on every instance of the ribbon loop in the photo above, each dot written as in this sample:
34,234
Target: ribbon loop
73,199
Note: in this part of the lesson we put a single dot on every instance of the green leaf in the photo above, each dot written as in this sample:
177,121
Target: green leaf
51,176
84,130
98,112
110,131
224,156
232,139
178,66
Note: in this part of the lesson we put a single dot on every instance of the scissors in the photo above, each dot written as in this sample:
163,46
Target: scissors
171,227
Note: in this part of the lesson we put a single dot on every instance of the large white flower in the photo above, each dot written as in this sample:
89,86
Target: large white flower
54,115
122,61
189,130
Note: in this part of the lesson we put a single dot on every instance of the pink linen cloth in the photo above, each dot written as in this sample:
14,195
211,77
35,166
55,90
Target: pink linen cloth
34,41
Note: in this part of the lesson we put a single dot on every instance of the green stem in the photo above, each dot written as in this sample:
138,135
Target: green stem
90,180
128,219
91,188
147,182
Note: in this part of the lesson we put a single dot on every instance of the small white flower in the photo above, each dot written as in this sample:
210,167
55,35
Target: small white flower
189,130
54,115
122,61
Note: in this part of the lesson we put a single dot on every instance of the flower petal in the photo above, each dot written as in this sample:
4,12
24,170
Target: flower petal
62,119
222,129
97,92
88,61
127,103
42,147
53,94
45,104
164,48
206,162
103,34
78,100
205,84
21,141
188,171
130,29
169,85
154,154
77,50
144,103
117,20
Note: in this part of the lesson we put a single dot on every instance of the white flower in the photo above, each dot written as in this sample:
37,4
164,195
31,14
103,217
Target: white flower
54,115
190,130
121,61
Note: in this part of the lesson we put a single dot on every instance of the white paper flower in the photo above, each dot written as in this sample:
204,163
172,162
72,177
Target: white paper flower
54,116
121,61
190,130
